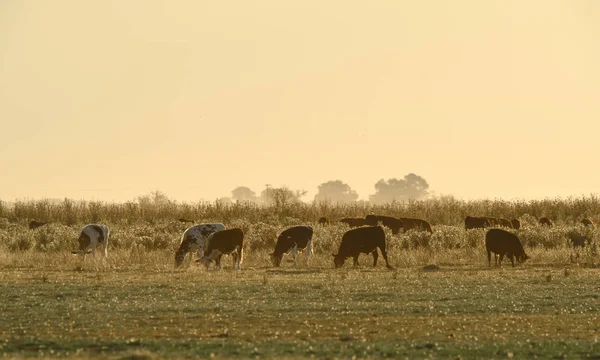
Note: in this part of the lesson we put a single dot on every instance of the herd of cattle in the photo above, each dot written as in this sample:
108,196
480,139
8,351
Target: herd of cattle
366,236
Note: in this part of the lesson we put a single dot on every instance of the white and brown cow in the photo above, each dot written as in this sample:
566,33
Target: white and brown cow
292,240
224,242
93,236
194,240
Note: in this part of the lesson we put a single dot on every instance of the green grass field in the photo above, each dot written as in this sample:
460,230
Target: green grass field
137,306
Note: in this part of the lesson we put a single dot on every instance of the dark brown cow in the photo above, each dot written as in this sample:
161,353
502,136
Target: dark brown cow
36,224
224,242
353,222
389,222
475,222
416,224
363,240
502,242
516,223
323,220
500,222
291,240
588,222
546,221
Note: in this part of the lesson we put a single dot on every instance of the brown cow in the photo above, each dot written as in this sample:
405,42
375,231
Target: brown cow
36,224
353,222
389,222
475,222
323,220
224,242
516,223
416,224
588,222
501,242
184,220
500,222
363,240
545,221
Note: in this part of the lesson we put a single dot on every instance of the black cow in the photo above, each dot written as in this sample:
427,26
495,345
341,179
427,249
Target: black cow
362,240
546,221
323,220
502,242
291,240
516,223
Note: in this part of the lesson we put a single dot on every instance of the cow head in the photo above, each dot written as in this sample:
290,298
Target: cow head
205,261
522,258
276,259
338,260
179,256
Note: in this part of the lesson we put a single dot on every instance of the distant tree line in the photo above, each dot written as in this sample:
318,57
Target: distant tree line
411,187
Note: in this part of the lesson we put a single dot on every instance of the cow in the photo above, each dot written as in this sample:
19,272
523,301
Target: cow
545,221
323,220
93,236
389,222
500,222
292,240
184,220
502,242
474,222
588,222
36,224
362,240
224,242
353,222
194,240
516,223
416,224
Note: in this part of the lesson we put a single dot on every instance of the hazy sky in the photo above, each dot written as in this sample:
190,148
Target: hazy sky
108,100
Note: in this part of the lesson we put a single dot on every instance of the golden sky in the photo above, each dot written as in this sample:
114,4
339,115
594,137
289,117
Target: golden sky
108,100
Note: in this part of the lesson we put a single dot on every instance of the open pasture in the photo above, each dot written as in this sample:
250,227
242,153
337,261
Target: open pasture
138,305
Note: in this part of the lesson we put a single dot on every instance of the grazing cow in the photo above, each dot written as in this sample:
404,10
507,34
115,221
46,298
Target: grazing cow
362,240
389,222
292,240
516,223
416,224
588,222
194,240
353,222
184,220
545,221
502,242
93,236
323,220
224,242
500,222
36,224
475,222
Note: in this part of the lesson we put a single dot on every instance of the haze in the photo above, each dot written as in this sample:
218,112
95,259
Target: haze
108,100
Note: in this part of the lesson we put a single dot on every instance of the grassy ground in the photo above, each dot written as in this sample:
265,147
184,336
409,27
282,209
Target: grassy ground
137,306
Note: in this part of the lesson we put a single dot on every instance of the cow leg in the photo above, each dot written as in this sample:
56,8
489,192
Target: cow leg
512,259
308,251
355,259
490,258
218,262
295,253
375,256
234,256
500,261
384,254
